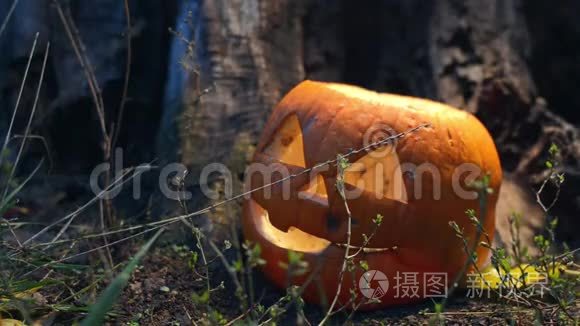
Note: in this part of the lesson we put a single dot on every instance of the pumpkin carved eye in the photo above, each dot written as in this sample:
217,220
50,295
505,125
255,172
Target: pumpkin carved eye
315,190
378,172
288,145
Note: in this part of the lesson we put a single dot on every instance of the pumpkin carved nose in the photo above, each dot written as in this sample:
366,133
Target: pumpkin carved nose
306,209
300,201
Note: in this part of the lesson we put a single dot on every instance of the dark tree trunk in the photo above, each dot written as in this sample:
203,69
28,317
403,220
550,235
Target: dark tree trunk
249,53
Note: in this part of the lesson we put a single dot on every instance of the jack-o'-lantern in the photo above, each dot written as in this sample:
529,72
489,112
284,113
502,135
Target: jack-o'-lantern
418,183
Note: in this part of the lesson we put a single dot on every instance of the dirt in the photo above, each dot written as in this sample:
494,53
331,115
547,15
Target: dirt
160,293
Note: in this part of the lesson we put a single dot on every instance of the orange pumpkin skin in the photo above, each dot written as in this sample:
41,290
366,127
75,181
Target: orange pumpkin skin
415,234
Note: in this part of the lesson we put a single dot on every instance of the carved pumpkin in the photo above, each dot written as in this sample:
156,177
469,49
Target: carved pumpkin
418,189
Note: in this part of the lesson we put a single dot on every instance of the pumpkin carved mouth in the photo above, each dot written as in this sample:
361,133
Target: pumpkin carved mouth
292,239
297,240
305,212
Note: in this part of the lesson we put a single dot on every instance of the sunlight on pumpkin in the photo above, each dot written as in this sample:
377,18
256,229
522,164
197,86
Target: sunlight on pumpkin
287,145
392,100
373,97
294,239
378,172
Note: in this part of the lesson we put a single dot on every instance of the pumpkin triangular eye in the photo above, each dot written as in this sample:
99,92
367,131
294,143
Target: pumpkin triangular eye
315,189
380,173
287,145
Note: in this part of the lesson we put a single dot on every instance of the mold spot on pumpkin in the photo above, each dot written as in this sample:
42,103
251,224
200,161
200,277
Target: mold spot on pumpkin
286,141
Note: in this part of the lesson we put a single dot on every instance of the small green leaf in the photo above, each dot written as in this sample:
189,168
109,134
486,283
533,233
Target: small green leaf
364,265
554,223
193,258
505,265
294,257
202,298
378,219
237,265
554,149
438,308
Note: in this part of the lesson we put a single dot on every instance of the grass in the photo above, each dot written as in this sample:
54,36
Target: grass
111,294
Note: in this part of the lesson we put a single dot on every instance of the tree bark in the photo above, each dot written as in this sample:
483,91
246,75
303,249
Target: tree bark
244,56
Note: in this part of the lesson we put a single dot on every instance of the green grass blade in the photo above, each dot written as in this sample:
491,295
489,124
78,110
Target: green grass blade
111,294
8,201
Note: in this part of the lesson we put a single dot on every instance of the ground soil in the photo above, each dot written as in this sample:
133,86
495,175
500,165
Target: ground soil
149,303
